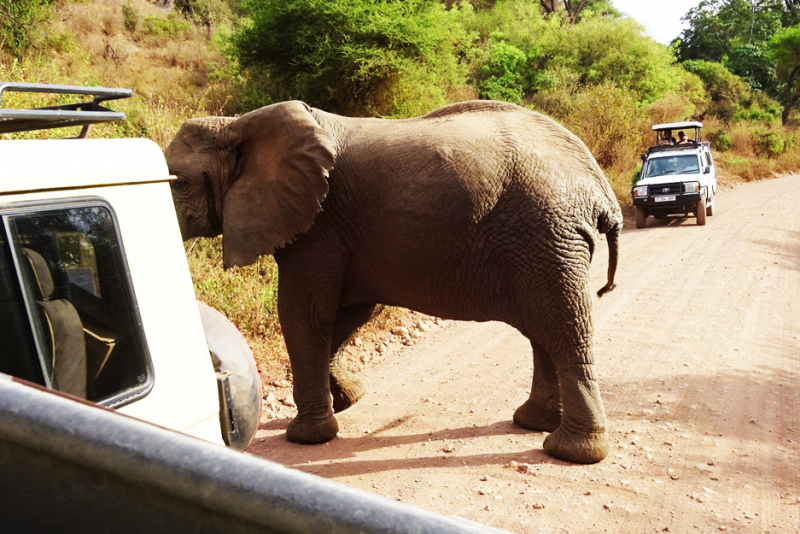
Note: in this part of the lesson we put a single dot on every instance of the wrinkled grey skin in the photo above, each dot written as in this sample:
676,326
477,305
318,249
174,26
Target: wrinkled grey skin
478,211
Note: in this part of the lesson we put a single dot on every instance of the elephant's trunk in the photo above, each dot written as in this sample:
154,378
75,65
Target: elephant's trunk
613,255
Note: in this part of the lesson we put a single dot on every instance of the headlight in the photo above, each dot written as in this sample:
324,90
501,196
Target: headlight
640,191
691,187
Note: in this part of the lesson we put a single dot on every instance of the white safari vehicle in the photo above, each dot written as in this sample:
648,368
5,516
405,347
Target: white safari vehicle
96,299
678,175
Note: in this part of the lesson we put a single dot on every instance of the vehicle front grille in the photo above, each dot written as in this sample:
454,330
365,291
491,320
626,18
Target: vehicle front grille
665,189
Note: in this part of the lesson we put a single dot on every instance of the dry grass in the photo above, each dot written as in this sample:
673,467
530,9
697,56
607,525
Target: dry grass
172,63
742,141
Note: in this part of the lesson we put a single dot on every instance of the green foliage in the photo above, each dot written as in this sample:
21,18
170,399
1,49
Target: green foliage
725,89
20,23
751,63
735,33
517,22
603,49
784,50
354,54
756,115
130,16
170,25
61,42
720,140
716,27
506,73
772,143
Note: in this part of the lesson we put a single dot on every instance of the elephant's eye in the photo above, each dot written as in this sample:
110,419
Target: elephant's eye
180,186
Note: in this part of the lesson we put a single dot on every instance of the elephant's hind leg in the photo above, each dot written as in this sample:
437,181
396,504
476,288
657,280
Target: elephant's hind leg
582,436
564,333
346,389
542,411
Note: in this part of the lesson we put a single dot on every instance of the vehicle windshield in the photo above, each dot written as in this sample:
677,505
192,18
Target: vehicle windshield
685,164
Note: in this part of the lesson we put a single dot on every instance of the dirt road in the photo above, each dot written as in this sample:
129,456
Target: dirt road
698,356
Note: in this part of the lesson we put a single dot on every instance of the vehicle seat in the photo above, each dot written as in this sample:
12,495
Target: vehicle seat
63,330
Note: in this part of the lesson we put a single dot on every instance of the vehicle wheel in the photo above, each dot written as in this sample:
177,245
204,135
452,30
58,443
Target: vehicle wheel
237,378
700,212
640,217
711,208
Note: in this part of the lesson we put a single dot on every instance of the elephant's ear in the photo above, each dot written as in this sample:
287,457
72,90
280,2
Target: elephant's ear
280,181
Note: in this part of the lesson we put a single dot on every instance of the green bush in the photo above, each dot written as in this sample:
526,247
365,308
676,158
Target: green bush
722,86
165,26
20,23
355,56
130,16
720,140
602,50
773,143
506,74
62,42
756,115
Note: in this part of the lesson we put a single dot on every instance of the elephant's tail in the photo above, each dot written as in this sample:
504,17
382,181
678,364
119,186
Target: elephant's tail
613,256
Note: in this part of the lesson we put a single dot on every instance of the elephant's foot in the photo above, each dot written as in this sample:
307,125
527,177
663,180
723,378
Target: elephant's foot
309,431
346,392
581,448
535,416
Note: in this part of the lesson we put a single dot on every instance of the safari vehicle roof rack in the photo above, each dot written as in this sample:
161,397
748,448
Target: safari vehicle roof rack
80,114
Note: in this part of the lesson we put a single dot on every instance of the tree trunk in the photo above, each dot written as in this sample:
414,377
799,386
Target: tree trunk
549,6
792,93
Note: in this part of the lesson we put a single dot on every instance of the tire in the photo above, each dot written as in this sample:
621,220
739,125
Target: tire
710,209
236,369
700,211
641,217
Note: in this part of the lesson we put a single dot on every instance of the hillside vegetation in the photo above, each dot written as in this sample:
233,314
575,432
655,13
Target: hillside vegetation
736,68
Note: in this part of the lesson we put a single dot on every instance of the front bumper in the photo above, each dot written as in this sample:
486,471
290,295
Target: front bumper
666,204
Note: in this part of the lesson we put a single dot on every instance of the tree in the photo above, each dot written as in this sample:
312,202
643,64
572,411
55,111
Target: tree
724,88
716,27
356,56
735,33
574,8
791,16
784,50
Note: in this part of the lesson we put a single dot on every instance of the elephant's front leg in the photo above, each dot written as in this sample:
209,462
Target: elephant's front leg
307,320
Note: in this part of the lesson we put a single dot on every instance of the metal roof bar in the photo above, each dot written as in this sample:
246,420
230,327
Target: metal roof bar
80,114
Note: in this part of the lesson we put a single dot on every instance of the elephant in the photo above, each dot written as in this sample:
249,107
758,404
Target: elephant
480,211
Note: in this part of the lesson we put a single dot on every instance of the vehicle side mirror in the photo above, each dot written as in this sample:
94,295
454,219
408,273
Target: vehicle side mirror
643,156
707,171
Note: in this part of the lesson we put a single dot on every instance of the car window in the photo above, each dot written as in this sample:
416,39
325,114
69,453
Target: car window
685,164
79,329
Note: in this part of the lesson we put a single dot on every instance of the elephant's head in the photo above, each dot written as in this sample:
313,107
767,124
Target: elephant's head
259,180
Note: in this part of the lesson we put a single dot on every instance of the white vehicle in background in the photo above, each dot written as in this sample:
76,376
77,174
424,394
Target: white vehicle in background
678,176
96,299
